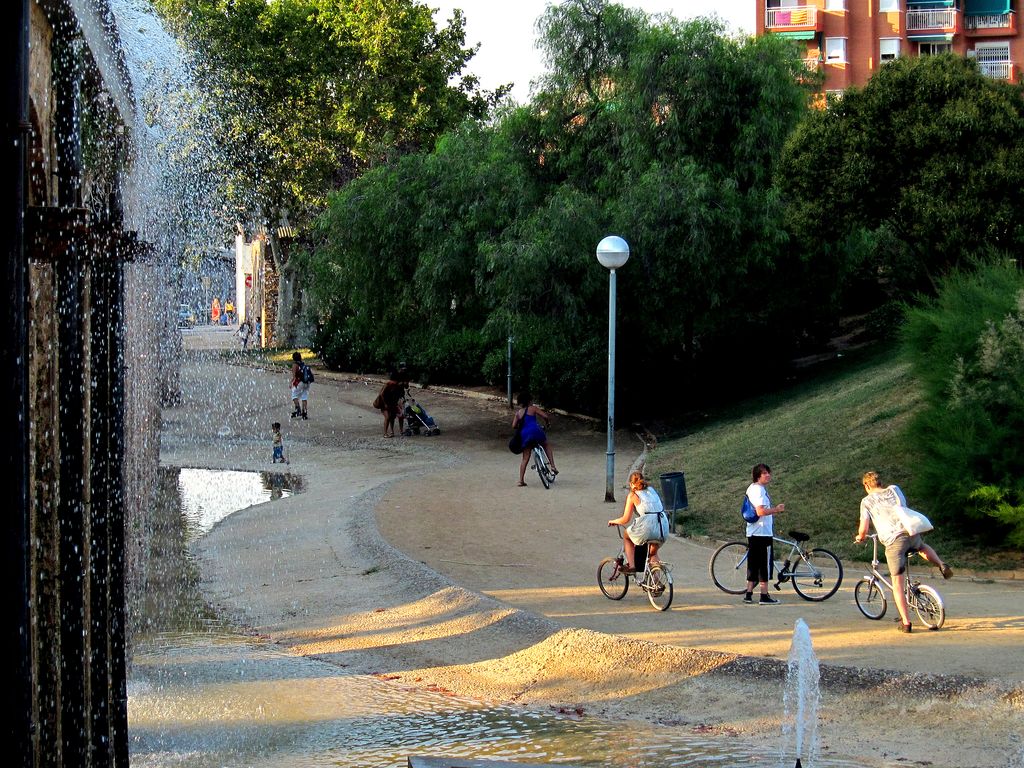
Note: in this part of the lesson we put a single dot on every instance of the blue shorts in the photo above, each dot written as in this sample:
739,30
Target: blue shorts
278,452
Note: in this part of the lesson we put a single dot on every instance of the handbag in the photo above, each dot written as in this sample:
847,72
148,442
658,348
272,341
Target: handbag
378,402
913,521
515,443
748,511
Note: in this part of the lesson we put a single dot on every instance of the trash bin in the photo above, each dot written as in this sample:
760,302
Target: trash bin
673,490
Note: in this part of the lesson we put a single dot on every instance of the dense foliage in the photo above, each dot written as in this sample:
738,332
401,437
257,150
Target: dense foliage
660,131
918,173
310,92
967,349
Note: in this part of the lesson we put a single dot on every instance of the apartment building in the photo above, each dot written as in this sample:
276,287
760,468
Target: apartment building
851,39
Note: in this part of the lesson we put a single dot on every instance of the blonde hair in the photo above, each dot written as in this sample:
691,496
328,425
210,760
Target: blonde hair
871,480
639,478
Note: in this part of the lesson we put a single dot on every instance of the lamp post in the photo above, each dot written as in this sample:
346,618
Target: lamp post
612,252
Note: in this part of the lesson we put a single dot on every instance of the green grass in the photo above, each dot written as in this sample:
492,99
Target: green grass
819,437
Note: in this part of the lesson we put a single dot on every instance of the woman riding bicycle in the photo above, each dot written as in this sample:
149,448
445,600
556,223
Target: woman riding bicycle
532,434
650,524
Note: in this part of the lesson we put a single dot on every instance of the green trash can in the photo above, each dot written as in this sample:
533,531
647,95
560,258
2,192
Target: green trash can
673,490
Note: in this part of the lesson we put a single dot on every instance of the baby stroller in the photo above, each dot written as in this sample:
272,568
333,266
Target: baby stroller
418,420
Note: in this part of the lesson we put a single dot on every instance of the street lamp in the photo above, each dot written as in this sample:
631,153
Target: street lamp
612,252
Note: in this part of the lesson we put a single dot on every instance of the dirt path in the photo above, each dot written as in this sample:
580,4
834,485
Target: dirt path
489,589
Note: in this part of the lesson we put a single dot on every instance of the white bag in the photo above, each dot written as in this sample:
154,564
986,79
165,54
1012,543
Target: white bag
914,522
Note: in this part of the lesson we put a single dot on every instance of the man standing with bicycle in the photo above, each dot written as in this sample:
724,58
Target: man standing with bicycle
759,536
881,507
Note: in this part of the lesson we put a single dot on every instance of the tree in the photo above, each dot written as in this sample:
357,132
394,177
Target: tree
311,93
664,132
918,173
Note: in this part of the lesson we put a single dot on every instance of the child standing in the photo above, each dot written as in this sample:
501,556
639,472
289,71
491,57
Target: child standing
278,443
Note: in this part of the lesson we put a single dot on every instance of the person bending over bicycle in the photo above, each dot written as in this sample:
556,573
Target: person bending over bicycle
532,434
881,507
649,523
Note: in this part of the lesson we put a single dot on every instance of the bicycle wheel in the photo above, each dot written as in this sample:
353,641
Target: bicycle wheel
728,567
613,583
928,604
659,587
870,598
817,575
541,463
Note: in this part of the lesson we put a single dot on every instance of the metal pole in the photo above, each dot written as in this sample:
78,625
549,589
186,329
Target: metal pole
510,371
609,486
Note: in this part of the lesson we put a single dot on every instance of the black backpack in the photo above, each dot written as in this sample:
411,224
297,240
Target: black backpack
307,373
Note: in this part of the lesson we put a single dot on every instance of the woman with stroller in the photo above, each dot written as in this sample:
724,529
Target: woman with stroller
532,434
391,397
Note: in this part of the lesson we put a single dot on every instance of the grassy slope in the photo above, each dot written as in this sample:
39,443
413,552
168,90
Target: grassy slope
819,437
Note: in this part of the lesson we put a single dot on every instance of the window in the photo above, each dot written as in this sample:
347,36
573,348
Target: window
835,5
888,6
888,49
934,49
835,50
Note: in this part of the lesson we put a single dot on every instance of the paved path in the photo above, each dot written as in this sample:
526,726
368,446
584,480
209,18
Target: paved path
312,573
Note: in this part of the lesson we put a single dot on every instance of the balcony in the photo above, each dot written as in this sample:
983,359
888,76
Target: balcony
997,70
932,21
990,24
793,18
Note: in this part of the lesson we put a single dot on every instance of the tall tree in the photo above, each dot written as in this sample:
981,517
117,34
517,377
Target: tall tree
919,172
311,93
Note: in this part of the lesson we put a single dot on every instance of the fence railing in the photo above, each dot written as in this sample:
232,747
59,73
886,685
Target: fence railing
998,70
931,19
791,16
989,21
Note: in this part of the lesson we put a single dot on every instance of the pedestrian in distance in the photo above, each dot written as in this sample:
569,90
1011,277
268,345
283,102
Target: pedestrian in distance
279,457
759,536
302,377
245,332
881,507
531,433
392,395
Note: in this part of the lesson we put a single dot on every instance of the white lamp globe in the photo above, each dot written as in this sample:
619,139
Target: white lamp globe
612,252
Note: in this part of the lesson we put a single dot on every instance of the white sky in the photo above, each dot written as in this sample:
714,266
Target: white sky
504,29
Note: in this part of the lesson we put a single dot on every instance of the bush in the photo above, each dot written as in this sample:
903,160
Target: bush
967,347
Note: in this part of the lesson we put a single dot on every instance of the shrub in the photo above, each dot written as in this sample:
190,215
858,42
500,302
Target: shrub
967,347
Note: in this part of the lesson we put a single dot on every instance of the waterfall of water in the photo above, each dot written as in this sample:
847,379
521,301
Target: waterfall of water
800,702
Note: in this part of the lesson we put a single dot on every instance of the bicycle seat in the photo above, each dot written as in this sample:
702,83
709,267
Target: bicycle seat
799,536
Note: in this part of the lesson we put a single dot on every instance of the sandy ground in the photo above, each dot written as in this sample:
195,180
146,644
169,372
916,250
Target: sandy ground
420,558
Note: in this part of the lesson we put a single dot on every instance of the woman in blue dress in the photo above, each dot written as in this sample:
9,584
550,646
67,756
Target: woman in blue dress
532,433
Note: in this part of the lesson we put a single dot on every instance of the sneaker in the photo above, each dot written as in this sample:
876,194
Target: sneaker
905,628
294,414
767,599
748,599
946,571
304,415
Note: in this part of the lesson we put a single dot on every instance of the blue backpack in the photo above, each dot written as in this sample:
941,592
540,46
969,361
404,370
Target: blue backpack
306,373
748,511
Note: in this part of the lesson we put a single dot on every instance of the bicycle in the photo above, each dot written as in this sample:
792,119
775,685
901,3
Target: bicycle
540,463
814,573
870,597
655,579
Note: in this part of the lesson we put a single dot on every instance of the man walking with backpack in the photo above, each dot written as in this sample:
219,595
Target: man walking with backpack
302,377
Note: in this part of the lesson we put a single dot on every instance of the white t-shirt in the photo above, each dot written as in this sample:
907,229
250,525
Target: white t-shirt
882,509
758,496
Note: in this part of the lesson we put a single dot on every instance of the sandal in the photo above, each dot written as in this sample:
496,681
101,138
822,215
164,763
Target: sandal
521,484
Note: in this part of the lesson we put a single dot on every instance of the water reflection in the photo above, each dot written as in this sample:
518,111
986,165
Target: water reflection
210,495
202,693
